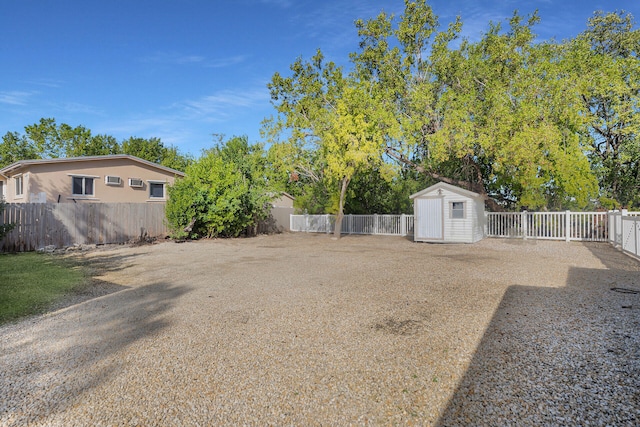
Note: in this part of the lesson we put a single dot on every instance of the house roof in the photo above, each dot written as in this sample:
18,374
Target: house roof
23,163
445,186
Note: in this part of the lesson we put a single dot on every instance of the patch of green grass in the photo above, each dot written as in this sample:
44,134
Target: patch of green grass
31,282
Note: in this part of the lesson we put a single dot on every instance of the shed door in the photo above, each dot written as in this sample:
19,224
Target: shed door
429,216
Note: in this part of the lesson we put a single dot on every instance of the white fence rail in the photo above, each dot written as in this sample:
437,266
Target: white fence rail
583,226
624,231
390,225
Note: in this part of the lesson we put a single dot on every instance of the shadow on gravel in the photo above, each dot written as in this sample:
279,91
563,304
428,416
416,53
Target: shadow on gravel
49,363
558,356
99,263
94,288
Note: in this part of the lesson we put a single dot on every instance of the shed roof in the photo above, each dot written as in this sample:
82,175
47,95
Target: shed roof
445,186
23,163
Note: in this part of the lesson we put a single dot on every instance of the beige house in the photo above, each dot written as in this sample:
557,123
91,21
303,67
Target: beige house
118,178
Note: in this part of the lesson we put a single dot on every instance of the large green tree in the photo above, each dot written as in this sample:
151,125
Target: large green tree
500,116
497,116
607,65
336,116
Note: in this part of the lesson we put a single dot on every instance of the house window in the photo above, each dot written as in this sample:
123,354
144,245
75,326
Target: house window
19,189
1,190
457,210
156,190
82,186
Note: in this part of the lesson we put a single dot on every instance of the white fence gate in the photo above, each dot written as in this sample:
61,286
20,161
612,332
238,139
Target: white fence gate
624,231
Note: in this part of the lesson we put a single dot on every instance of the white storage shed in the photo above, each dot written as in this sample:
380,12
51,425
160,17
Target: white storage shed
444,213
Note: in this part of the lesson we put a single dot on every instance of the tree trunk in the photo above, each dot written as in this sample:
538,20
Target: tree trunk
337,231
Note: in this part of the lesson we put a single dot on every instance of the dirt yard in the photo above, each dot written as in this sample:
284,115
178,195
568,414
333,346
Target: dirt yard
300,329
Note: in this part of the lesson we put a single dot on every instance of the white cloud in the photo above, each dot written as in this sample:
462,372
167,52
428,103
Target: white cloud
223,103
173,58
189,124
15,97
50,83
225,62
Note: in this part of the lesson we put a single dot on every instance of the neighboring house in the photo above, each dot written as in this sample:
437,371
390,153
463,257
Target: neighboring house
280,213
284,201
113,178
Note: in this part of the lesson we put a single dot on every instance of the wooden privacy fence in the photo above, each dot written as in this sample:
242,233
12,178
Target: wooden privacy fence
65,224
390,225
567,225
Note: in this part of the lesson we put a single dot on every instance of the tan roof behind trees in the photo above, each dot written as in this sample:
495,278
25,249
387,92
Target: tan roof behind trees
51,180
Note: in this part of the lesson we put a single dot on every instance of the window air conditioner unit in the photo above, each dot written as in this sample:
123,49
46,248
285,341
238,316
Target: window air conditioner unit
135,182
112,180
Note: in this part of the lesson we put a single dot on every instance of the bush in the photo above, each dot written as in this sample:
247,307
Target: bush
224,193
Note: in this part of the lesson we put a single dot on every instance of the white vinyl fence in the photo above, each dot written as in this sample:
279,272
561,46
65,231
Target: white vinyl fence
390,225
624,231
567,225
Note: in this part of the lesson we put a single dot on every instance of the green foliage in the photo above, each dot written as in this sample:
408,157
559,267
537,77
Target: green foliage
224,194
47,139
370,192
154,150
496,116
5,228
16,147
335,116
607,66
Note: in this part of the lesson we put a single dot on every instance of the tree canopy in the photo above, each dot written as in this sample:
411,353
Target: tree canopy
527,124
606,57
47,139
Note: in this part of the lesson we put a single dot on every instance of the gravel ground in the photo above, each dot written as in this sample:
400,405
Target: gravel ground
299,329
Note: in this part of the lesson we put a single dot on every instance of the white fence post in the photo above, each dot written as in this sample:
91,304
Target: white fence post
523,224
623,213
403,225
567,225
611,226
635,237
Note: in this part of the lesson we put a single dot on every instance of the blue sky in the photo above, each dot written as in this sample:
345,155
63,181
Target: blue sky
185,70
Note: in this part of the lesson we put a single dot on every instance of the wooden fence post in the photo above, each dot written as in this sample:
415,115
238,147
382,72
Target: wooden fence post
567,226
523,224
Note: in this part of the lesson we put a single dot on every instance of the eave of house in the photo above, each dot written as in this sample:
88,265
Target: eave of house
8,170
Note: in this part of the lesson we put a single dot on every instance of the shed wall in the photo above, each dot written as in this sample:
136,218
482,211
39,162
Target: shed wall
458,230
